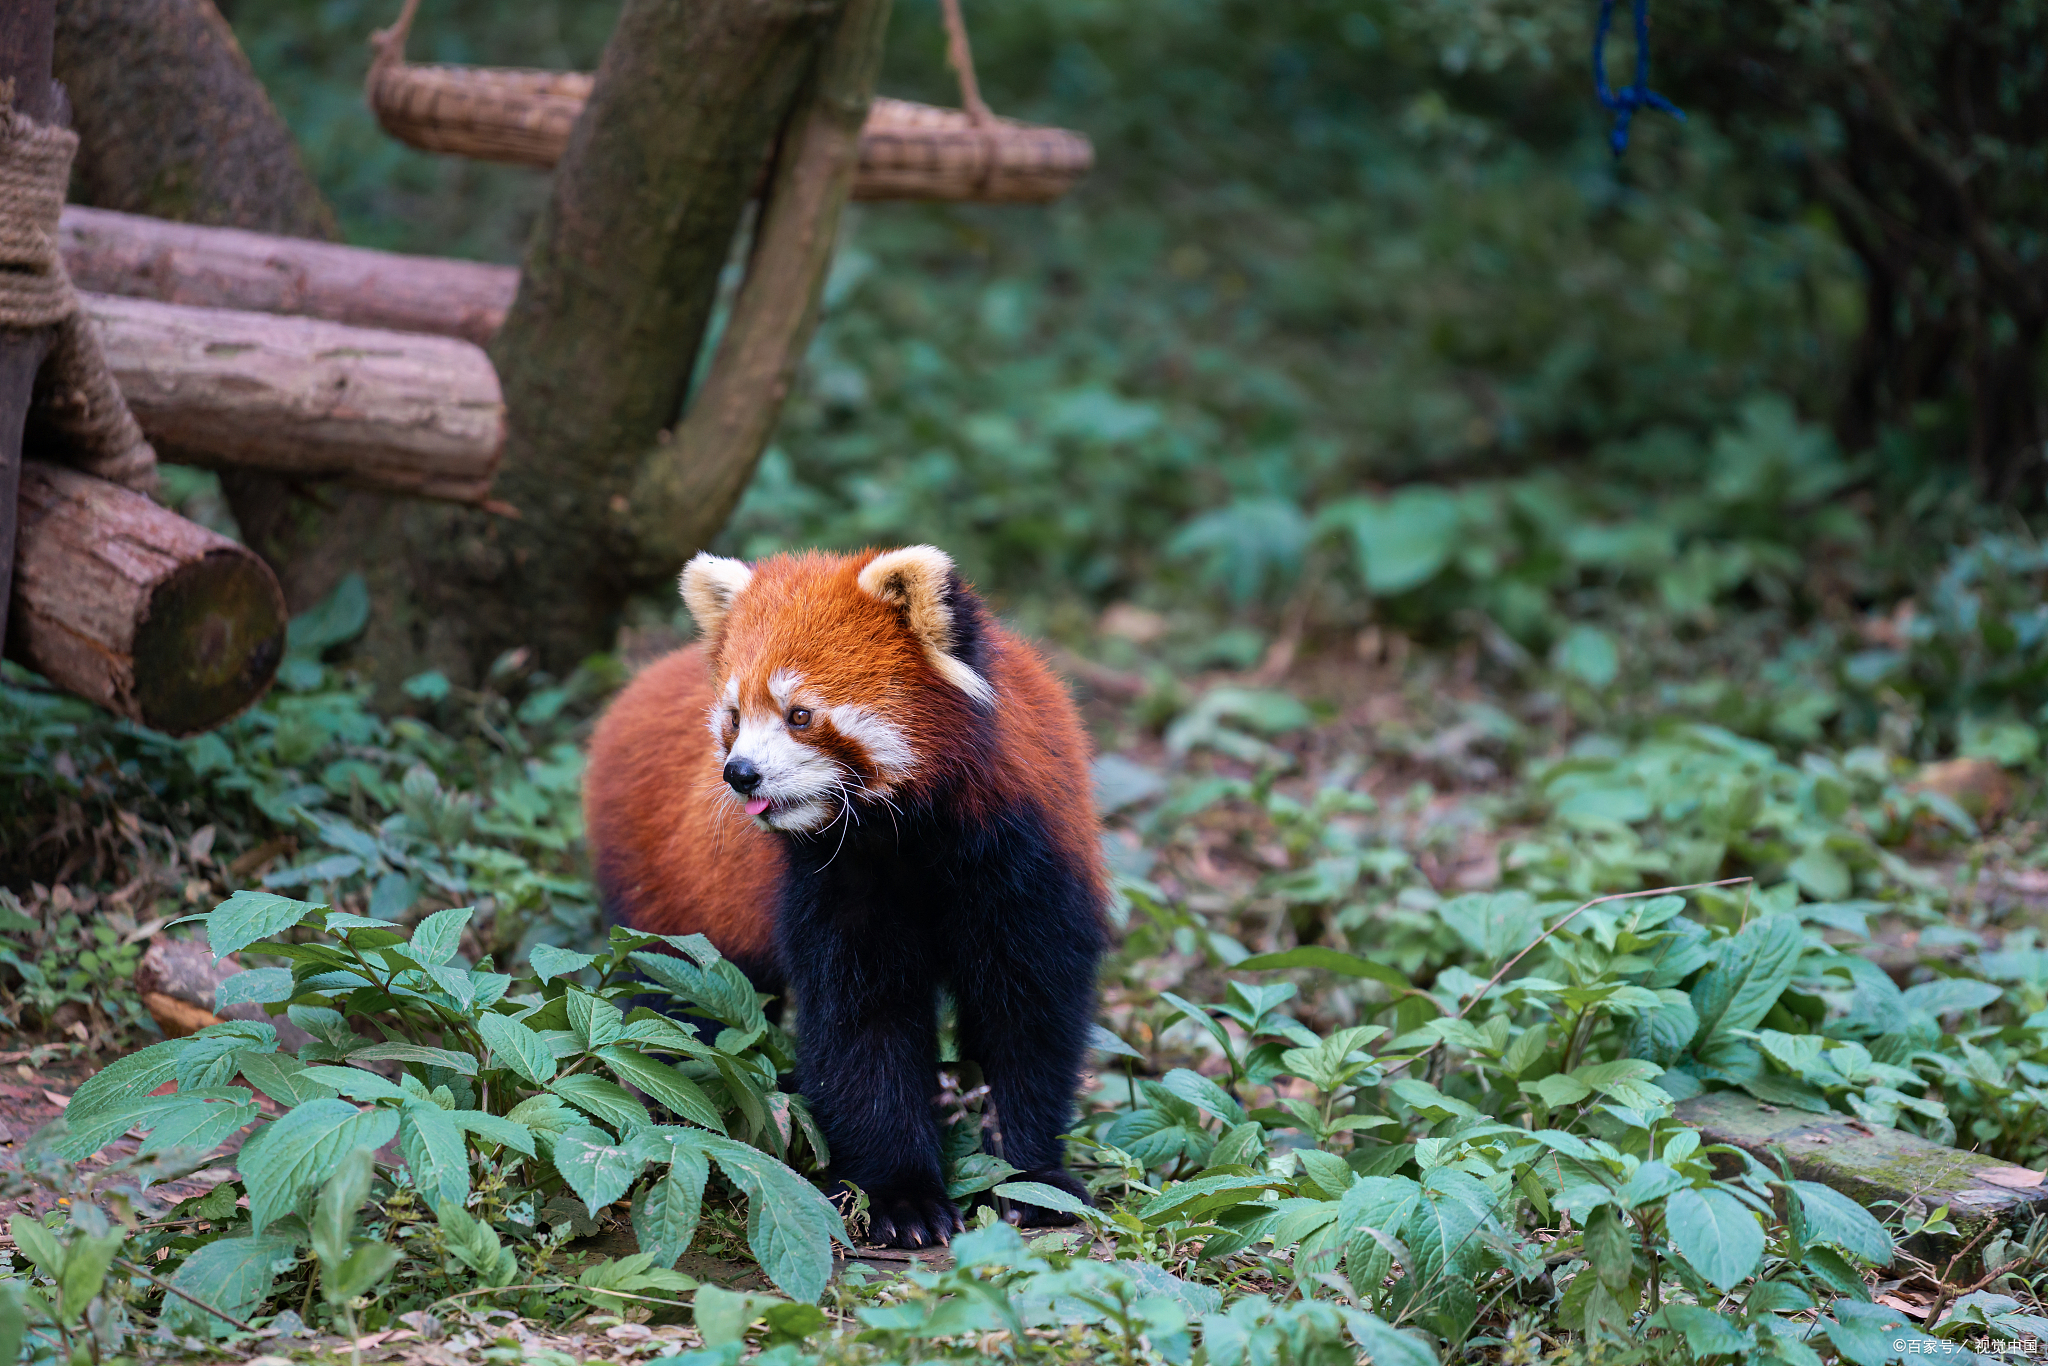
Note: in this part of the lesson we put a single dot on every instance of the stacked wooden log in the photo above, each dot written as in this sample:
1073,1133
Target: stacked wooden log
235,349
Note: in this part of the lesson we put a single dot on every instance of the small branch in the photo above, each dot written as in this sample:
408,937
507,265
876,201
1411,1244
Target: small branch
170,1289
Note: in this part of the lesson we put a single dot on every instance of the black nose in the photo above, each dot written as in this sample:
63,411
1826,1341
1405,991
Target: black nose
741,776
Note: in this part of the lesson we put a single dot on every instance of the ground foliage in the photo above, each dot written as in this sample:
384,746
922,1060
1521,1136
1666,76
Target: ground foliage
1446,521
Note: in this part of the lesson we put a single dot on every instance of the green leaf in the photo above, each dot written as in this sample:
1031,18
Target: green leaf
1444,1231
1832,1217
1326,960
1102,1041
790,1226
550,962
1753,970
295,1154
85,1269
260,985
1384,1344
1558,1089
334,1214
490,1128
412,1052
247,917
233,1274
1716,1233
435,939
369,1263
1403,541
1187,1201
338,617
1706,1332
665,1214
595,1020
1588,654
1038,1193
473,1243
122,1082
13,1320
1625,1081
354,1082
431,1139
603,1100
518,1047
199,1119
663,1084
596,1168
1609,1249
1374,1205
1197,1089
283,1078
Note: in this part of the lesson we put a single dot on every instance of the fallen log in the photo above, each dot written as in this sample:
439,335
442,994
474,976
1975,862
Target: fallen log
393,411
180,263
131,606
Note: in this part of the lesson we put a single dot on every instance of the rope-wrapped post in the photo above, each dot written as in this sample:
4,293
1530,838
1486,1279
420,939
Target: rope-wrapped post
101,591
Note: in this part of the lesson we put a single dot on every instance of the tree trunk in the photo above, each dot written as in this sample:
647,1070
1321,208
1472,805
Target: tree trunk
689,486
617,290
393,411
176,263
171,121
135,608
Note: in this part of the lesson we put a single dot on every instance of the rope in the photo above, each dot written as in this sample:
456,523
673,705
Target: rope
77,406
1624,103
960,57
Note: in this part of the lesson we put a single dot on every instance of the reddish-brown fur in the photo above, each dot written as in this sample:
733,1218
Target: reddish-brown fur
676,847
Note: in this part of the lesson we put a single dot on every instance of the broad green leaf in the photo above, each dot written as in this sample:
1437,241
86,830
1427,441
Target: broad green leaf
1189,1201
233,1274
1403,541
596,1168
295,1154
495,1129
260,985
200,1119
601,1099
518,1047
247,917
366,1264
1625,1081
354,1082
213,1056
1753,970
122,1082
1947,995
1558,1089
1648,1182
1716,1233
283,1078
1102,1041
1832,1217
334,1213
790,1226
663,1084
1384,1344
595,1020
1444,1230
419,1053
1197,1089
550,962
1706,1332
1588,654
435,1154
665,1214
1379,1205
435,939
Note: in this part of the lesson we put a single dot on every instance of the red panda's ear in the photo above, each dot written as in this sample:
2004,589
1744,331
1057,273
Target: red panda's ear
710,584
914,580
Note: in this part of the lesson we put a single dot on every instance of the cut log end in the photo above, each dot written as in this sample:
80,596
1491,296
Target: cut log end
212,637
137,609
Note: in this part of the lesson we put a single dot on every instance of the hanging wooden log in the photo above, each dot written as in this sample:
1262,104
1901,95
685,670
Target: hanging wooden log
133,607
393,411
181,263
907,150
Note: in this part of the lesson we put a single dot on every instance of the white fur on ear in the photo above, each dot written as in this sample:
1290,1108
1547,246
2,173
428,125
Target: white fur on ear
914,578
710,584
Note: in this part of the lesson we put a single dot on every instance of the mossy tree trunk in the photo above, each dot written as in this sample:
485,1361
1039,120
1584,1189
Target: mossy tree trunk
595,355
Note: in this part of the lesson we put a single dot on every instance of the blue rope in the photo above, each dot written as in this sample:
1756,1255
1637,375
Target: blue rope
1624,102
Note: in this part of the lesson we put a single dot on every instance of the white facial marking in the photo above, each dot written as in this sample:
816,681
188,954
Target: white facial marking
715,717
782,685
887,746
795,778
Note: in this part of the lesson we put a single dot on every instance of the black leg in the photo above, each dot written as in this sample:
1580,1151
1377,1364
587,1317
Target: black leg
867,1060
1025,1005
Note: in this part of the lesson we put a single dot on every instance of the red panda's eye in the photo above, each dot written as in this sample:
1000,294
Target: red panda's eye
799,718
732,716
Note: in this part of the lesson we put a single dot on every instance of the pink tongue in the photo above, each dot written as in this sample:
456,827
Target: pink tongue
756,805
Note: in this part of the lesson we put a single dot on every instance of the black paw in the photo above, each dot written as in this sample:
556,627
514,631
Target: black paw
1037,1216
911,1218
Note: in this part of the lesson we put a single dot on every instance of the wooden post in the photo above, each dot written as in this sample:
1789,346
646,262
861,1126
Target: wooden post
27,37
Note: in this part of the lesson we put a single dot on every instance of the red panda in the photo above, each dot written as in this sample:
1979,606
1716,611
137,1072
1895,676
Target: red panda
863,789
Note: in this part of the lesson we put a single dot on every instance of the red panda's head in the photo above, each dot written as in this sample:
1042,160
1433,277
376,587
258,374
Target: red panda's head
839,678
